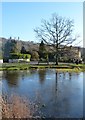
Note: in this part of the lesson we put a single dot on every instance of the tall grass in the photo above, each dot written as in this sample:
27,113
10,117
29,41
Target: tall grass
17,107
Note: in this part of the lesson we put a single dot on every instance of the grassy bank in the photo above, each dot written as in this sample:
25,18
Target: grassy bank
26,66
14,66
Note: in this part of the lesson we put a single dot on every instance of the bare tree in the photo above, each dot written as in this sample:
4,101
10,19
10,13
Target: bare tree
56,32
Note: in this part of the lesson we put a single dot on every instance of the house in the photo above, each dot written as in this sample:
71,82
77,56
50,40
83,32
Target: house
83,54
18,60
17,57
65,53
1,61
70,53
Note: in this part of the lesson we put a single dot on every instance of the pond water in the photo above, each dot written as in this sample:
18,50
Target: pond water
60,94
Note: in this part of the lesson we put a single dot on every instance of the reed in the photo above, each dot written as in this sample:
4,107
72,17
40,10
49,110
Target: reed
17,107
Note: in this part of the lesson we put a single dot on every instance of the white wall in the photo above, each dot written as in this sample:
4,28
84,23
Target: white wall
1,60
18,60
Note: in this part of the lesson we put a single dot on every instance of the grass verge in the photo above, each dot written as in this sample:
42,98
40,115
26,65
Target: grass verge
60,67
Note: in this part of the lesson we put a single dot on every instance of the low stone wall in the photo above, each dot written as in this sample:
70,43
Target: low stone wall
1,60
18,60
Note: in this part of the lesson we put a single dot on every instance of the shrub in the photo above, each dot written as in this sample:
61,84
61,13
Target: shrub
20,56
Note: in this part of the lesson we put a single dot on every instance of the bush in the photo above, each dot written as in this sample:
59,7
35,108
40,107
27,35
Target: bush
35,55
20,56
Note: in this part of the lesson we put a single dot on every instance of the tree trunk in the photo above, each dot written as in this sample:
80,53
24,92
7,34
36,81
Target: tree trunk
57,54
56,60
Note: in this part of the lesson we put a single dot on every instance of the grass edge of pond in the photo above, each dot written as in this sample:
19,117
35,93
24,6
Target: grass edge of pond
60,67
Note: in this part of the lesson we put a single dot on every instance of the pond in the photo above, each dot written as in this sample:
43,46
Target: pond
60,94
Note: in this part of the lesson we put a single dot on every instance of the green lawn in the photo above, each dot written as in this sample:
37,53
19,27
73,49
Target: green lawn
25,66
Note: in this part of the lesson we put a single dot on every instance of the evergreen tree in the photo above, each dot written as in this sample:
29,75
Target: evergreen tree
42,51
23,50
13,46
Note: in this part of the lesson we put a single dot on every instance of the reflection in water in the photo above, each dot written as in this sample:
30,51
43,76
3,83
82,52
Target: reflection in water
56,81
54,97
11,78
63,75
70,75
25,74
42,74
60,95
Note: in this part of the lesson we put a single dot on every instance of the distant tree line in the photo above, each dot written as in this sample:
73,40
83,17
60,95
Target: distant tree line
43,52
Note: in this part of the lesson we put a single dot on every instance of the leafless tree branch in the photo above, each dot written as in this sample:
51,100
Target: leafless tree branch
56,31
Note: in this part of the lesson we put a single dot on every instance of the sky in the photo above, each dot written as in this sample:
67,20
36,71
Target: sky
19,19
84,24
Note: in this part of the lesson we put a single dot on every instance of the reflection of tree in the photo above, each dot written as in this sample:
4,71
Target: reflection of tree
70,76
12,78
55,93
23,74
42,74
56,81
64,75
